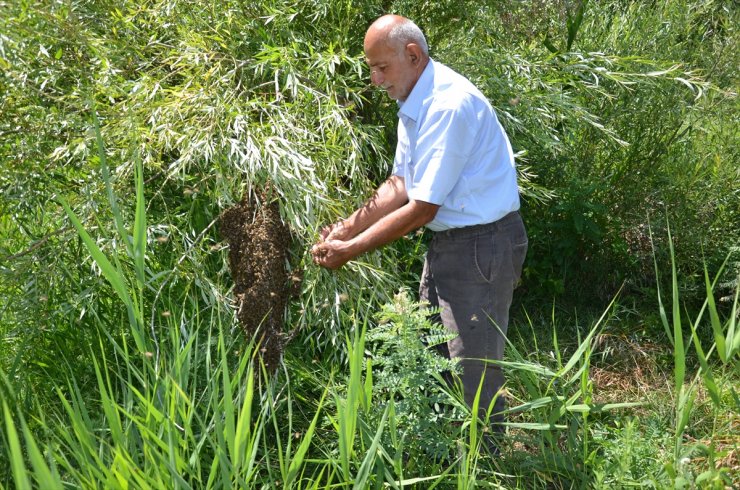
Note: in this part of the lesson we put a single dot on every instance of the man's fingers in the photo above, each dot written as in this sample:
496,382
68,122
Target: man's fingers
327,255
327,231
318,251
332,232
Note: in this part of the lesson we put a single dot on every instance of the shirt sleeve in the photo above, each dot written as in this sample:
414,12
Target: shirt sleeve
402,147
443,148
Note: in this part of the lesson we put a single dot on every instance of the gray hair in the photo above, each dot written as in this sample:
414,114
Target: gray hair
406,32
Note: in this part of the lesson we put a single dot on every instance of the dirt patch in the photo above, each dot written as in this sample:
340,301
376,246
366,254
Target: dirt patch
258,257
627,370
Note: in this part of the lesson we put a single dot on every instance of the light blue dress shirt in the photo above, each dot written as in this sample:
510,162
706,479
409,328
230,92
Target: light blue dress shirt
452,151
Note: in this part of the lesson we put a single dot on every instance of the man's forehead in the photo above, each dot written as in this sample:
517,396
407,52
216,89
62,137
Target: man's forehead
377,54
372,61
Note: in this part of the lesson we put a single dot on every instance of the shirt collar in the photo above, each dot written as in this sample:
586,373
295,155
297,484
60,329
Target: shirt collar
411,107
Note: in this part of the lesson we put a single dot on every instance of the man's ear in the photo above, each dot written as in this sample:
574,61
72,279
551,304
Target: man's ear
414,52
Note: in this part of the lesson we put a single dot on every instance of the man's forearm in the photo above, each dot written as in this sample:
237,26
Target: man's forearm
392,226
335,252
389,197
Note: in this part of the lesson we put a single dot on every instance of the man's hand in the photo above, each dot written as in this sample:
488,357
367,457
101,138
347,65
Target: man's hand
331,253
332,249
336,231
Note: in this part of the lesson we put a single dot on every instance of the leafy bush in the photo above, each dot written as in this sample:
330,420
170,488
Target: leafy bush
408,371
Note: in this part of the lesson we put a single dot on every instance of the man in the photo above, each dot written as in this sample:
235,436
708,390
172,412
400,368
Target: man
454,173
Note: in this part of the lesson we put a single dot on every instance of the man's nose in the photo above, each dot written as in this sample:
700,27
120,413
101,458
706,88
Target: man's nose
376,78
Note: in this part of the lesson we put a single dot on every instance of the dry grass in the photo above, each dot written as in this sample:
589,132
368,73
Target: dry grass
630,370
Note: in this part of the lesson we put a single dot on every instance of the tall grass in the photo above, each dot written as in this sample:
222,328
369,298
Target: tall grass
206,414
200,415
726,344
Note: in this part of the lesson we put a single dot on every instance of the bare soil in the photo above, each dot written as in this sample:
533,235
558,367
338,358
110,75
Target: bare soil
258,257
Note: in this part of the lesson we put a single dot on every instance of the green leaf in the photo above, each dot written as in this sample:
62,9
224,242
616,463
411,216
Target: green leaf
20,474
109,407
719,337
706,370
661,307
574,23
243,431
117,216
530,367
601,407
41,469
302,450
534,425
679,354
550,46
361,480
367,398
576,357
228,402
733,334
535,404
112,274
140,225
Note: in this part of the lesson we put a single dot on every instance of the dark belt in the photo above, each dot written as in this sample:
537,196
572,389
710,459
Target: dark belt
468,231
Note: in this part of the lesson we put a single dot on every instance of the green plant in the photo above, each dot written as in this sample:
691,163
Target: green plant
726,342
408,372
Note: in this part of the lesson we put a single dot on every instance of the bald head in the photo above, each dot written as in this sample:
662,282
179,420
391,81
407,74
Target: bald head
396,32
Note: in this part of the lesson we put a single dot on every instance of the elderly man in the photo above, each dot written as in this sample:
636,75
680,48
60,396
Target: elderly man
453,173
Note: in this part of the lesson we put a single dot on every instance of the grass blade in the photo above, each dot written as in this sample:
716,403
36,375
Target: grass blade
733,336
535,404
243,429
140,225
585,344
706,370
719,337
361,480
302,450
41,469
601,407
117,216
661,306
574,23
228,403
679,354
20,474
111,273
109,406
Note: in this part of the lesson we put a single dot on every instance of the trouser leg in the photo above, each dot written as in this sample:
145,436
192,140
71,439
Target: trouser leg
471,276
428,294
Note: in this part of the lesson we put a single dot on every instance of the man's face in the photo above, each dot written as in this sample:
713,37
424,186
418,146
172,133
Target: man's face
391,69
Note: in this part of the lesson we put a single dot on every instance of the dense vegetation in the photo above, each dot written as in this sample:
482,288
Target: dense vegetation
127,127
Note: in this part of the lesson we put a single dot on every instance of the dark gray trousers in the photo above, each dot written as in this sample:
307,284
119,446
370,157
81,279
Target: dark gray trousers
471,273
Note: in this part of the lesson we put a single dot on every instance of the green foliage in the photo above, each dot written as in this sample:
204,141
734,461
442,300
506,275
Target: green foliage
408,373
727,345
219,99
120,358
556,398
